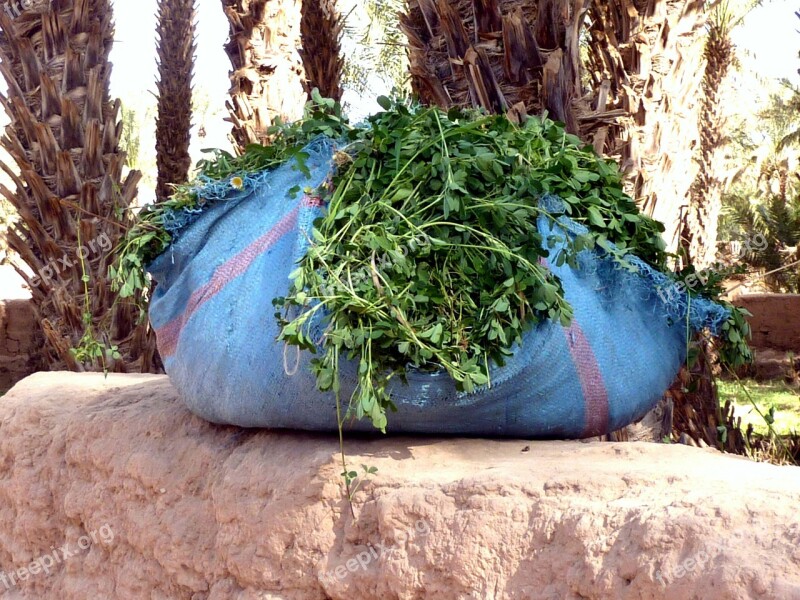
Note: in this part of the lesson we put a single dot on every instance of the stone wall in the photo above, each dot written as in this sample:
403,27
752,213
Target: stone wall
19,342
110,488
776,320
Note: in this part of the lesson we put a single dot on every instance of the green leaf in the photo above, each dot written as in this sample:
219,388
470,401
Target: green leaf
585,176
595,218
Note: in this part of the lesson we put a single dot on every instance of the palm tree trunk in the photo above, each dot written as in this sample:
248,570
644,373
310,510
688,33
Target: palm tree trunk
645,67
634,101
321,28
267,76
176,48
471,53
69,190
699,232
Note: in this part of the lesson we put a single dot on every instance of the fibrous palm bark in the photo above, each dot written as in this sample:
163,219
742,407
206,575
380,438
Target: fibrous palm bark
645,66
176,47
321,29
475,53
634,101
72,199
699,232
267,76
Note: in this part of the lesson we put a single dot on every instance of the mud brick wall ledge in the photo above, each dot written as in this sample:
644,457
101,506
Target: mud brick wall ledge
148,501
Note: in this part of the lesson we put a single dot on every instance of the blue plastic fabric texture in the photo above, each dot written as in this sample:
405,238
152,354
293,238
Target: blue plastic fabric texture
213,315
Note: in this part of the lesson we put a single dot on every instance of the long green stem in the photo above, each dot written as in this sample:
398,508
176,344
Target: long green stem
340,422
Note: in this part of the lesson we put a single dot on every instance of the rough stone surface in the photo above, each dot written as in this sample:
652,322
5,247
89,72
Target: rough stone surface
20,345
776,320
180,508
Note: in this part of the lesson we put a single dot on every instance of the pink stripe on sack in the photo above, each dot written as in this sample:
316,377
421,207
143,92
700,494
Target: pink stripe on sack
594,388
595,395
168,335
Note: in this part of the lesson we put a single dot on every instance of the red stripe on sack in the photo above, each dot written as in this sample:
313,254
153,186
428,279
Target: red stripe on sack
168,335
594,388
595,395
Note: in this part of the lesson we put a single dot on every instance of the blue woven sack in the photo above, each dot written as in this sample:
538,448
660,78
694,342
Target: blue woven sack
214,319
